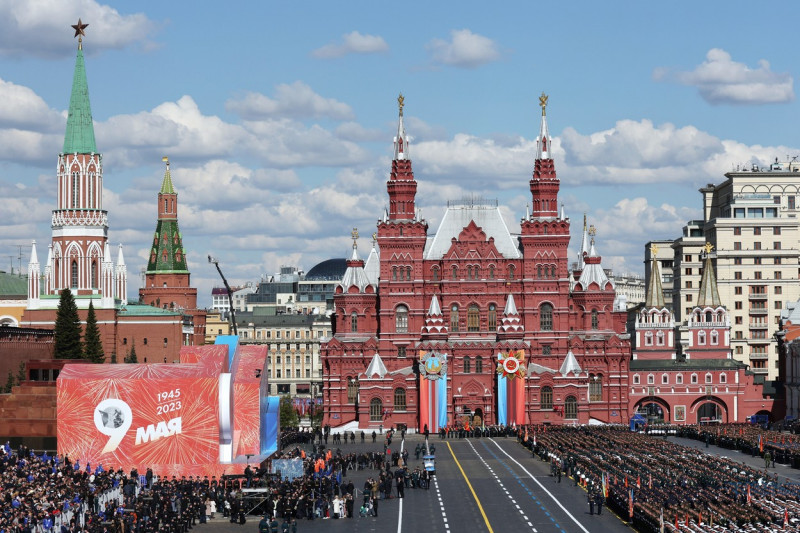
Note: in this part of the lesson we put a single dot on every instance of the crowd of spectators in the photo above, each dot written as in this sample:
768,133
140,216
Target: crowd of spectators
659,484
42,493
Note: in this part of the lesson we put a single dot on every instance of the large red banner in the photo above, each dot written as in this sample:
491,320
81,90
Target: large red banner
162,416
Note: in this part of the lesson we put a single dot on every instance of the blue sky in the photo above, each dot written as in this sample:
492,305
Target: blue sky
278,118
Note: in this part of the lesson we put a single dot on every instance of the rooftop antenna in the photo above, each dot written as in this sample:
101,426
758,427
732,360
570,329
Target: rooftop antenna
11,259
20,256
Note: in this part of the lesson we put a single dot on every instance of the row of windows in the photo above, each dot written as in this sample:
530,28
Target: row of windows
776,245
473,319
651,379
144,341
377,411
287,375
758,275
473,272
776,230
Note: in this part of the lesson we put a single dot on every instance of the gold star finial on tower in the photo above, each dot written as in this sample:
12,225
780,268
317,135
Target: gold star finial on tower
354,236
401,102
708,247
79,27
374,238
592,230
653,249
543,102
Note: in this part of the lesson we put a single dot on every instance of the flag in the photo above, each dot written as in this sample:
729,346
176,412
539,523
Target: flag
785,517
605,485
749,498
626,481
760,443
630,503
661,521
650,481
699,517
677,527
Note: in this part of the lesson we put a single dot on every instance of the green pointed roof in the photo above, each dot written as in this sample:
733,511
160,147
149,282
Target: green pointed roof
167,254
709,294
166,185
79,137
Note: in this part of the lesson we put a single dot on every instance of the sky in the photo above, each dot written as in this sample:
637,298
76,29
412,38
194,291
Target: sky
278,117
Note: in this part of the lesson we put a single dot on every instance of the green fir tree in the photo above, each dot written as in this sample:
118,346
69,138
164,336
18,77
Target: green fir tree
9,383
68,328
22,375
132,354
113,358
288,414
92,347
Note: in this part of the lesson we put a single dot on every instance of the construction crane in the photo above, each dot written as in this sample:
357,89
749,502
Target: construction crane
215,262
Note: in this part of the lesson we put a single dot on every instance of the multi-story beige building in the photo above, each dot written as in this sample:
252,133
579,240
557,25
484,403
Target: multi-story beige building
631,286
751,218
294,364
689,254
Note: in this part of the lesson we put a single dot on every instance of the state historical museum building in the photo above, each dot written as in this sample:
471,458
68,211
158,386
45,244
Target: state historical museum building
478,322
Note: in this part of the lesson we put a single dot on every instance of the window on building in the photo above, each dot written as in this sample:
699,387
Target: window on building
737,305
737,275
651,379
756,260
278,373
688,297
778,289
435,273
352,390
687,258
737,260
547,350
660,338
473,318
479,365
511,271
375,410
737,230
454,319
401,351
492,317
467,365
778,304
546,317
636,379
737,290
723,378
455,272
757,275
714,338
694,379
354,322
776,274
665,379
399,399
688,271
757,245
165,342
595,319
596,389
491,271
679,379
74,274
124,341
546,398
790,202
539,272
408,273
708,378
571,408
776,230
145,341
297,372
401,319
737,245
756,231
776,245
648,338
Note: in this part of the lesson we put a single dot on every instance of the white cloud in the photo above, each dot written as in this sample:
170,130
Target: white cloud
352,43
465,49
720,80
296,100
22,108
640,145
37,27
353,131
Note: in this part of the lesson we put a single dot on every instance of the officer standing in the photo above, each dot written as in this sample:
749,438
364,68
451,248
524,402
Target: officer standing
599,502
591,503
